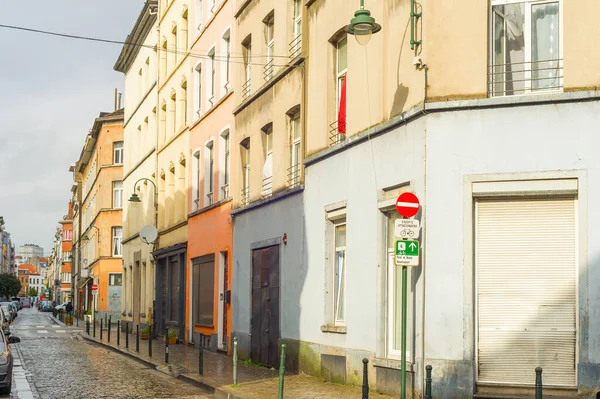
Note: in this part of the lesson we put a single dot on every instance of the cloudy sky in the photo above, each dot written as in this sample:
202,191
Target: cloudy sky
51,89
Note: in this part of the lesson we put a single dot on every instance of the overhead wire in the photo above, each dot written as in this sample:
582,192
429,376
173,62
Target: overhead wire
218,58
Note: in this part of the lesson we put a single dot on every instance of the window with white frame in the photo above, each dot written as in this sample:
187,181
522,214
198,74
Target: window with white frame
335,310
297,33
117,241
267,184
67,235
118,153
198,95
225,66
224,163
117,194
199,15
212,76
245,155
341,72
67,256
196,180
209,172
247,54
526,47
295,149
270,42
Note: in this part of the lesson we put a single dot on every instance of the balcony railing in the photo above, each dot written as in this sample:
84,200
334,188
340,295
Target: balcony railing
293,176
268,70
246,89
335,136
209,199
267,187
295,47
245,200
197,203
525,77
227,87
225,190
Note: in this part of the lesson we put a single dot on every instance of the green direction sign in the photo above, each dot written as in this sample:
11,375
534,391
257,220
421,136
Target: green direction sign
407,253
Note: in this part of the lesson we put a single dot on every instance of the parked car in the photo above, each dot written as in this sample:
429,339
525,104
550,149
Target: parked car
26,303
46,306
5,306
17,304
6,364
4,319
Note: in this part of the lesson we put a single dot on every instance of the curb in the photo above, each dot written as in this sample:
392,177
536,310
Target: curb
219,393
55,320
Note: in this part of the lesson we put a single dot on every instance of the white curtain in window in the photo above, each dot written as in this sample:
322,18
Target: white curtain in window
545,45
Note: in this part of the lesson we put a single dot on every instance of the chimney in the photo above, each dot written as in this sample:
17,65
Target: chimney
116,95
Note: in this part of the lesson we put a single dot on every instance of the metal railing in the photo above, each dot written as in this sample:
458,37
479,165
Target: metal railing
295,46
267,187
246,87
209,199
525,77
293,176
335,136
227,87
225,190
268,70
245,200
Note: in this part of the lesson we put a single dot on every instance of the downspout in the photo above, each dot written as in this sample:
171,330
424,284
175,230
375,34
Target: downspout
156,177
424,218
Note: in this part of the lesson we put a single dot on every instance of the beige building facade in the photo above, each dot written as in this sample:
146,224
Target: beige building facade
139,62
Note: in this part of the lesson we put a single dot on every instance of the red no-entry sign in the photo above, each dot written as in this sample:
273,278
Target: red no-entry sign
407,205
94,287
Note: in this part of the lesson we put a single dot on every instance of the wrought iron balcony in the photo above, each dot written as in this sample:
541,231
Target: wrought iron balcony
267,187
246,87
517,78
335,136
245,200
293,176
295,47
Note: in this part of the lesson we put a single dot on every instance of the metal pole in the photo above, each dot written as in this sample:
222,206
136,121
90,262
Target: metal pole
137,338
365,387
101,328
167,345
94,328
235,361
127,334
201,355
118,332
403,338
428,382
150,340
538,383
281,372
109,323
87,326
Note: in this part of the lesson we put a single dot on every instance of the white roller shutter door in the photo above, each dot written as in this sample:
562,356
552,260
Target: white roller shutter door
526,290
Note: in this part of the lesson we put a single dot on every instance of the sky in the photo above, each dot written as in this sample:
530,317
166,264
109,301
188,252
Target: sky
51,90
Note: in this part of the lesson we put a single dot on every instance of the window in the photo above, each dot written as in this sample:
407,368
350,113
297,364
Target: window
118,153
67,257
173,114
163,61
203,290
183,105
117,239
226,48
526,48
117,194
341,71
199,15
296,44
247,54
199,89
209,173
67,235
196,180
295,150
245,153
270,41
267,185
339,289
115,279
213,71
224,167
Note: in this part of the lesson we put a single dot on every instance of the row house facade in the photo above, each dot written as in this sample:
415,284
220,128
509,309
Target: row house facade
7,255
64,263
100,234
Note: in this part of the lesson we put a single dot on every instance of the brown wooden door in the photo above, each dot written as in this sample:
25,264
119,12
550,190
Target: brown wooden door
265,306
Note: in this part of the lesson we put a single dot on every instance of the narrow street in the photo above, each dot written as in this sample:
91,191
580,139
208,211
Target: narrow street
51,361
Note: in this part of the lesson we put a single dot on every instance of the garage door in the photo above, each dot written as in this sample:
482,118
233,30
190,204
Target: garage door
526,290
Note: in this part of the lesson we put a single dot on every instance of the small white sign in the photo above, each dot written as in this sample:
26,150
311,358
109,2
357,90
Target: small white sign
95,292
407,229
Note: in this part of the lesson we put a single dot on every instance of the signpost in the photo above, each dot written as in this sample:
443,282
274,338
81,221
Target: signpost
94,289
407,254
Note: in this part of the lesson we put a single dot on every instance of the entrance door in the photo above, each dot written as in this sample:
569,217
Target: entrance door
526,290
136,293
265,306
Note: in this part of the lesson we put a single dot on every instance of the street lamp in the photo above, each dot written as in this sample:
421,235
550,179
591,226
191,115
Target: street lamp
135,199
363,25
85,236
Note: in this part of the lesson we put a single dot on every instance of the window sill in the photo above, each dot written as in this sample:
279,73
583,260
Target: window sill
204,325
334,329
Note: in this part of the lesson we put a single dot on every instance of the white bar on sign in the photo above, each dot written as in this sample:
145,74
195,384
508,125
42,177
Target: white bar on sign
408,204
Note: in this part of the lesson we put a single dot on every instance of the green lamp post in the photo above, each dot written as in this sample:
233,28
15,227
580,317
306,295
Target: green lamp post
363,25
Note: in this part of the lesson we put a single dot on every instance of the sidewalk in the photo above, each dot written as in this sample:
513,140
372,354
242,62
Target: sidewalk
254,382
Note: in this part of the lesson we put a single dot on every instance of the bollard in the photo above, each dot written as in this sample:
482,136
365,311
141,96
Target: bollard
167,345
235,361
77,320
87,327
101,329
109,323
127,335
118,332
365,386
538,383
281,372
201,355
150,340
94,328
428,382
137,338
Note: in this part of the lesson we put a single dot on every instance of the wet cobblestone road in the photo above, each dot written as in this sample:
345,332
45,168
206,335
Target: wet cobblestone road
61,365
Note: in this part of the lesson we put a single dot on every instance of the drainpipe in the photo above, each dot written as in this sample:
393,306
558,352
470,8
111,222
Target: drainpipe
424,218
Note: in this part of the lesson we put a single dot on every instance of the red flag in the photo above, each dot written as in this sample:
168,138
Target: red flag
342,109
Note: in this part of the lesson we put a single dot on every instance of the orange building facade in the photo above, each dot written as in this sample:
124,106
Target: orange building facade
101,168
209,248
67,256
